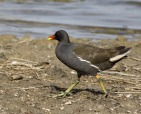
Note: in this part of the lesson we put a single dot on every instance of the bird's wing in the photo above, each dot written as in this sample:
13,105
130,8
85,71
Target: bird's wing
94,54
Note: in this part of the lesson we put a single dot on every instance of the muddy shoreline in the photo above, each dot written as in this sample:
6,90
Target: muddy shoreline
30,74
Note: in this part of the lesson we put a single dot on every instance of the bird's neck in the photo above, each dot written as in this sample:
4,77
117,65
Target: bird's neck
64,41
64,44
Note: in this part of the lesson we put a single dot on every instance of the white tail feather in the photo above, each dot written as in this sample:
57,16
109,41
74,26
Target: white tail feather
118,57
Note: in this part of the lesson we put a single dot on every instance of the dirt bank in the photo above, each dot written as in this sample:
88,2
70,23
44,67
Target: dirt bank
30,74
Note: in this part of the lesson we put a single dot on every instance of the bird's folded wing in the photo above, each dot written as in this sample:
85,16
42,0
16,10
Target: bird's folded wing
94,54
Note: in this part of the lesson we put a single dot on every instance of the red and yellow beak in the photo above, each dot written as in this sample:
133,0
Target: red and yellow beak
52,37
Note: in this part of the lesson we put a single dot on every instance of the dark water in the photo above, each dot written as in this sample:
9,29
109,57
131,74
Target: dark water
39,18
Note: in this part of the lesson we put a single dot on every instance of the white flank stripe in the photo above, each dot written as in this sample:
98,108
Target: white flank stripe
118,57
89,63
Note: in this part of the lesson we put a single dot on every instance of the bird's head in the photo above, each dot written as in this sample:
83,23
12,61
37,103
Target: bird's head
61,36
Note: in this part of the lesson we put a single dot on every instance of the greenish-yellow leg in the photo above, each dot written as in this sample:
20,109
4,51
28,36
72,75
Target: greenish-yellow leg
63,94
101,84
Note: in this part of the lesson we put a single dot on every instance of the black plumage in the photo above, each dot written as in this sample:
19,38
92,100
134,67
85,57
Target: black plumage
86,59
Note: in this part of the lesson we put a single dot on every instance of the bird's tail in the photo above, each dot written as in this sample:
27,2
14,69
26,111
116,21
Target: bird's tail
123,51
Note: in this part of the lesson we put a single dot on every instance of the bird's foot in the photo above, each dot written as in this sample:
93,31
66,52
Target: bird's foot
62,95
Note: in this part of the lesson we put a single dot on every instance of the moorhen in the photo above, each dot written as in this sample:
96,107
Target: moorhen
85,59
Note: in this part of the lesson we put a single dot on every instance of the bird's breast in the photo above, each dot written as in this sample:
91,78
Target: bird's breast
76,63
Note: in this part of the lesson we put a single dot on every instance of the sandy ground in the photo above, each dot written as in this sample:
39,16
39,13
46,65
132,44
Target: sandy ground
30,74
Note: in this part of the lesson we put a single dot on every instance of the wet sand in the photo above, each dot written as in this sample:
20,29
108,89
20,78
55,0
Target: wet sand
30,74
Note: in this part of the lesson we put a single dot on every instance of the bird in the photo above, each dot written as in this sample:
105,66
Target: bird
85,59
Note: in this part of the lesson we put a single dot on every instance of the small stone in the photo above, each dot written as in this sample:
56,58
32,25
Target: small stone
68,103
13,62
73,72
128,96
16,94
61,108
136,112
112,109
16,77
46,109
30,77
128,111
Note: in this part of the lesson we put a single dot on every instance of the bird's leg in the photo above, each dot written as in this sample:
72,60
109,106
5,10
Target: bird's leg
101,84
69,89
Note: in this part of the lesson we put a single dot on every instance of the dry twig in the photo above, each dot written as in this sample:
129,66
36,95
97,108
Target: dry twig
117,73
24,60
136,59
129,92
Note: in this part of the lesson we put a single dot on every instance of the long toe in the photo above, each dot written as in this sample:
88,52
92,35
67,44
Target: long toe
62,94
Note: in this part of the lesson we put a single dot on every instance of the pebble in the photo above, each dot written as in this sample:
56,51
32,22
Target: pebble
46,109
61,108
16,94
68,103
73,72
128,96
13,62
17,77
128,111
